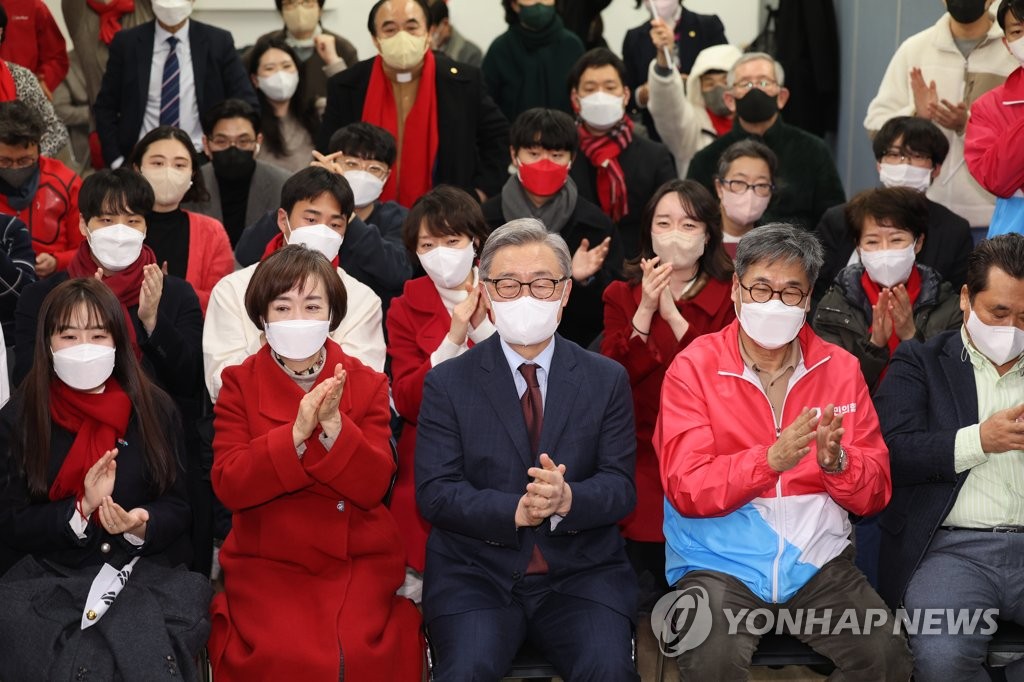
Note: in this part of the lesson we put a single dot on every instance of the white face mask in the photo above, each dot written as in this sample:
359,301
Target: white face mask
447,267
85,366
169,184
115,247
905,175
526,320
666,8
297,339
997,343
679,249
1017,49
403,51
744,209
279,86
366,187
172,12
773,324
319,238
601,110
889,267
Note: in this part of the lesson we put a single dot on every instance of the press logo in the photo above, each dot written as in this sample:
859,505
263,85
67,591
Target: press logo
681,620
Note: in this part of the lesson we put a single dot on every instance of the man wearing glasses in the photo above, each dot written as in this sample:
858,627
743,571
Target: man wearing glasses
242,189
525,454
808,183
767,441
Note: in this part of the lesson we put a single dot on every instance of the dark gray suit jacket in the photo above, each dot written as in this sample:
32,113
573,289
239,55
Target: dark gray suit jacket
472,455
927,395
264,193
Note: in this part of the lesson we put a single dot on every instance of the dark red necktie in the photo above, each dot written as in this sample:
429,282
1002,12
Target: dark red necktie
533,413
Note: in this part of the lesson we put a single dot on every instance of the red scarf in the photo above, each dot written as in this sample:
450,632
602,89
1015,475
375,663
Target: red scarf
97,420
873,291
126,284
603,153
8,91
722,124
419,142
277,242
110,16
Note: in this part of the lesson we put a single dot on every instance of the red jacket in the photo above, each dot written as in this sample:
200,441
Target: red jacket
993,132
52,217
32,39
313,558
646,363
417,324
209,255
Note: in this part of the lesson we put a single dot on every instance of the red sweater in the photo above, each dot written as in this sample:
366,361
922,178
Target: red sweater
52,217
209,255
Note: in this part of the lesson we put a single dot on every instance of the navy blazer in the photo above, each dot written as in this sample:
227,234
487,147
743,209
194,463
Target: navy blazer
472,454
927,395
472,148
120,106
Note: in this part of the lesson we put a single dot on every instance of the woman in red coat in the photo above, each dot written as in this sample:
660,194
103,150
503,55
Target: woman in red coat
301,458
437,317
676,290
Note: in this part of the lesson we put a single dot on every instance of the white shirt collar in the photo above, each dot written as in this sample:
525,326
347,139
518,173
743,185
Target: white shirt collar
543,360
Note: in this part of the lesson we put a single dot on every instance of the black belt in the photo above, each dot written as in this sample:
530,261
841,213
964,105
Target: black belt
993,529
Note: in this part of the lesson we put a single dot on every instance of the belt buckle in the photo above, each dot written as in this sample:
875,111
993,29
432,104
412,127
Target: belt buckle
1007,529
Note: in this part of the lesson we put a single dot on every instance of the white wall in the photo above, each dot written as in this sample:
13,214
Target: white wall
480,20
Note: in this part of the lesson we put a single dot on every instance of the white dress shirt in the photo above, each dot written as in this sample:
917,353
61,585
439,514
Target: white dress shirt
188,104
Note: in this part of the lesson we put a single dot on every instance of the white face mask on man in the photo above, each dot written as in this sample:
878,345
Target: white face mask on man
905,175
526,320
602,110
115,247
772,324
1000,344
318,237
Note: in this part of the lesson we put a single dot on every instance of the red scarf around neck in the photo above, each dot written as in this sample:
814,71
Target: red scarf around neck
603,153
110,16
277,242
8,91
418,153
97,420
873,291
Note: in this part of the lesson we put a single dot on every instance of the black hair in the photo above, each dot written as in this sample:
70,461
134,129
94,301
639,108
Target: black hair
123,191
3,24
280,7
899,207
595,59
371,24
309,183
1015,6
230,108
438,11
197,192
748,148
365,141
919,135
446,210
548,128
1005,252
300,106
20,125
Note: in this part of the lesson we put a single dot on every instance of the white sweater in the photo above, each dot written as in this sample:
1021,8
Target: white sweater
678,110
229,336
956,79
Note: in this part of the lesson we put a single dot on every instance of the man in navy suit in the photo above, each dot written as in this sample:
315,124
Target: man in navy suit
524,466
169,71
952,413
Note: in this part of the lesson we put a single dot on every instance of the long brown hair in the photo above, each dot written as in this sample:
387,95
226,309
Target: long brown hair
32,444
699,204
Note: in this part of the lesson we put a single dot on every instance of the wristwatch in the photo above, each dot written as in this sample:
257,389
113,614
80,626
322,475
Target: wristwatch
840,463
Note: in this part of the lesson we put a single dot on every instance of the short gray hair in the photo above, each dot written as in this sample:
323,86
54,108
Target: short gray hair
518,233
780,242
780,74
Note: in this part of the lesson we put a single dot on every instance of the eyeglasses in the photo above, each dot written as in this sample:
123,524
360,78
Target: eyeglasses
374,168
762,293
542,288
761,189
22,162
219,143
289,4
898,155
761,84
